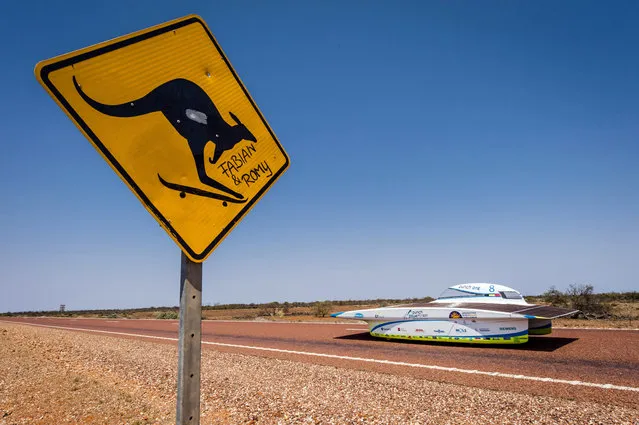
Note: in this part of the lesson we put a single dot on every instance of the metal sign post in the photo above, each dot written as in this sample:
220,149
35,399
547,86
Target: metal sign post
189,343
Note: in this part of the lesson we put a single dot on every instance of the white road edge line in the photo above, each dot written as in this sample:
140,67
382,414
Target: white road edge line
361,359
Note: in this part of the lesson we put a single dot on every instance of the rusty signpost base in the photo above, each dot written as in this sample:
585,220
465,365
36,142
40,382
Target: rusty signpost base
190,343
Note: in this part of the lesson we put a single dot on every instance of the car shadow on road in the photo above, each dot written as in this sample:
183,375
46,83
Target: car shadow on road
535,343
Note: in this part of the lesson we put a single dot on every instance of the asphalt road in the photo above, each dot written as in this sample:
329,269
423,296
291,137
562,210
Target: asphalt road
595,365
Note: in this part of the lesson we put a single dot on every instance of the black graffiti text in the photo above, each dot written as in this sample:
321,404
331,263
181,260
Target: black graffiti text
262,170
239,159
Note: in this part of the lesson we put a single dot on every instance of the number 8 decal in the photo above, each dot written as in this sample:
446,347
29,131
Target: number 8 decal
491,288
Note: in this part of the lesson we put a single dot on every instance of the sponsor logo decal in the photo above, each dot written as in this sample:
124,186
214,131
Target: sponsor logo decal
358,315
461,330
385,329
454,315
484,329
419,330
439,331
470,315
510,328
415,314
471,287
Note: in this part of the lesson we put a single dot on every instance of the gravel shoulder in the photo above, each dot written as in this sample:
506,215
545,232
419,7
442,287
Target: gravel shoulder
50,376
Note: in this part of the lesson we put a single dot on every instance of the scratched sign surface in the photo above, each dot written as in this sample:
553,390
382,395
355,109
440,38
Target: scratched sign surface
166,110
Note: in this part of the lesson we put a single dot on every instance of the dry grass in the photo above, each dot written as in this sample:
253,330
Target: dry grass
626,309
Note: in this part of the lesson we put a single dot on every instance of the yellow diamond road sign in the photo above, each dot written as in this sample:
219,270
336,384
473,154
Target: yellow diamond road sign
166,110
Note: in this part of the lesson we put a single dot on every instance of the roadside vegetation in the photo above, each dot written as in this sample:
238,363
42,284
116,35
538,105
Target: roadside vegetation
592,306
619,307
171,315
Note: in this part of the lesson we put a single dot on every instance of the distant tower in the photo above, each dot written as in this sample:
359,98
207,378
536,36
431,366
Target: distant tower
62,307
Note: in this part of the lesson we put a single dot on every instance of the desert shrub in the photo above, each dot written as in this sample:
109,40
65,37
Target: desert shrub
171,315
272,309
582,298
579,297
555,297
321,308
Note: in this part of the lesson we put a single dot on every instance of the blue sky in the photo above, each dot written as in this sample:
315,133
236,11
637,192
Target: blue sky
431,144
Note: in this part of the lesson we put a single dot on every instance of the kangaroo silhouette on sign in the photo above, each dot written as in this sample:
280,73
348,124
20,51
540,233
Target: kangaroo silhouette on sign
194,116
